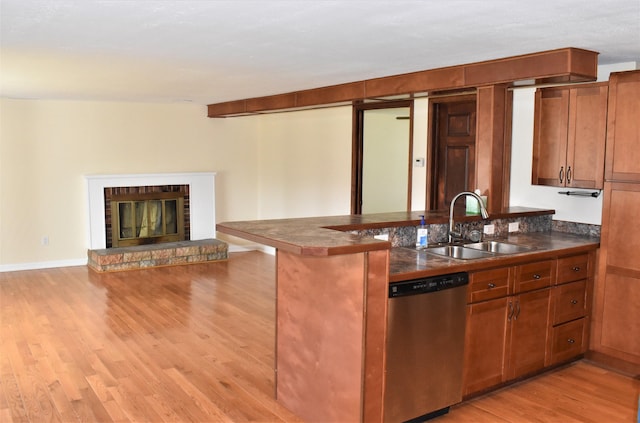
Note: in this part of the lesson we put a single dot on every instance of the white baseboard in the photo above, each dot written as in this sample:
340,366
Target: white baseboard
83,262
234,248
42,265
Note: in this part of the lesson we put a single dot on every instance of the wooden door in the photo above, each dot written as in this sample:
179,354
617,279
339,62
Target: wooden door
623,127
529,327
550,136
485,342
453,149
587,136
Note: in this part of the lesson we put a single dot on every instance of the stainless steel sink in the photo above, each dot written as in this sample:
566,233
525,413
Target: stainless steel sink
498,247
459,252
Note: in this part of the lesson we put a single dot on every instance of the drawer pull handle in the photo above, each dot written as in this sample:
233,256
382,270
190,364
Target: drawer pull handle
517,311
561,174
571,341
576,269
491,285
510,315
536,276
574,302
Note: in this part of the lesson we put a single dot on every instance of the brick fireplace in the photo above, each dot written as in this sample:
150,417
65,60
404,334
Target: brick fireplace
197,191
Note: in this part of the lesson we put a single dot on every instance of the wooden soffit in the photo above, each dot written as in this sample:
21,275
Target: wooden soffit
553,66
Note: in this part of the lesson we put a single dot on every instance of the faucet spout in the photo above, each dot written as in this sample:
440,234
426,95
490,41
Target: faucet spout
483,212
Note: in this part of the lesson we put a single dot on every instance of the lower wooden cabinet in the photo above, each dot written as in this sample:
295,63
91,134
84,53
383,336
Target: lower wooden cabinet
485,344
521,319
506,335
529,326
567,340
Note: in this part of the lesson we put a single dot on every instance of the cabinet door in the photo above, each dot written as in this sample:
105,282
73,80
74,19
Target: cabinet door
536,275
485,342
617,305
568,302
623,127
572,268
567,341
550,136
586,136
488,284
529,327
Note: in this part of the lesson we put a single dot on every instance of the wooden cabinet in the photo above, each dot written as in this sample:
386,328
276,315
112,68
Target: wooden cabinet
616,315
617,305
485,344
526,317
570,130
529,326
507,323
623,128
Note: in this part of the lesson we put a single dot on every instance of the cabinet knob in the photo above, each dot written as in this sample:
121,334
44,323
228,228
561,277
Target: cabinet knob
491,285
571,341
576,269
536,276
574,302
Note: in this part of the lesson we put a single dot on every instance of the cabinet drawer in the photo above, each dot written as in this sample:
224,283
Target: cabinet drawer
566,341
534,275
488,284
568,302
573,268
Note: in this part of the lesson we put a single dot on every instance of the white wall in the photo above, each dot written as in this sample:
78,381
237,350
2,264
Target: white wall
523,193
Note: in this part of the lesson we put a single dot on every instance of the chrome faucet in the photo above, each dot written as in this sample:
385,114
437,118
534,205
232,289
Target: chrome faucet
483,212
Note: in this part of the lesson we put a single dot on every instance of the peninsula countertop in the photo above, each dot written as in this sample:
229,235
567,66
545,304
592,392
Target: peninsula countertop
326,235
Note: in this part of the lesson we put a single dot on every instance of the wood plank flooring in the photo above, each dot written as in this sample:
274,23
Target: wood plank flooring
196,344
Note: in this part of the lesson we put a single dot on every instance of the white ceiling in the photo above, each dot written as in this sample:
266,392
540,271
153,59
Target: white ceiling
209,51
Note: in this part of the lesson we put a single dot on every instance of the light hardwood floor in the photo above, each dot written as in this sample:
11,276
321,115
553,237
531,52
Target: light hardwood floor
196,343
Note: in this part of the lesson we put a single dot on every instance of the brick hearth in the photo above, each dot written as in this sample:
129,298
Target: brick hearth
157,255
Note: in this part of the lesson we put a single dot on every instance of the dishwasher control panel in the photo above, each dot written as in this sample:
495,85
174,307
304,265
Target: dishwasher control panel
426,285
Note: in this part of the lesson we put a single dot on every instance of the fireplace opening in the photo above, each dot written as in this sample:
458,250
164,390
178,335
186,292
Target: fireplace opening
146,215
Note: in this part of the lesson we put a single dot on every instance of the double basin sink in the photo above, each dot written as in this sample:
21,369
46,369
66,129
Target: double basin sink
477,250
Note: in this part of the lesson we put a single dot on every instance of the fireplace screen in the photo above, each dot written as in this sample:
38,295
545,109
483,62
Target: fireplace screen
139,220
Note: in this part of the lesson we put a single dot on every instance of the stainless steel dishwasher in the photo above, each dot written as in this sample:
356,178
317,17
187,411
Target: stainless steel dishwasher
425,341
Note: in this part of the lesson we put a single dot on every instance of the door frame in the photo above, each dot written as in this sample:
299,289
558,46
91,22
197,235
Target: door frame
357,154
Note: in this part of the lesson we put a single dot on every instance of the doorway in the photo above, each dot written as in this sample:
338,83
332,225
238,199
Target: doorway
382,155
453,149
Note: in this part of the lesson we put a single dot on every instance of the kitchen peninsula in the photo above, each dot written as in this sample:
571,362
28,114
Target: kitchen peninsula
332,281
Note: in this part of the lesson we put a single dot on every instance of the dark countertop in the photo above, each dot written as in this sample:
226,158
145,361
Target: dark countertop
322,236
409,263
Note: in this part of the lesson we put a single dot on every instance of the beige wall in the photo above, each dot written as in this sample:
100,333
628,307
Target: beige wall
305,163
47,147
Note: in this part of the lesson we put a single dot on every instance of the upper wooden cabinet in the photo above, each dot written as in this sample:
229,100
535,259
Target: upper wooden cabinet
623,129
570,130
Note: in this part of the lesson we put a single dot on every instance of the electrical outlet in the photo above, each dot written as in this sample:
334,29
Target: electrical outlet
45,240
489,229
514,226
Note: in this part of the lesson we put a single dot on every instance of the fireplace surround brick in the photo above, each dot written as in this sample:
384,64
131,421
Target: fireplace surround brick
157,255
